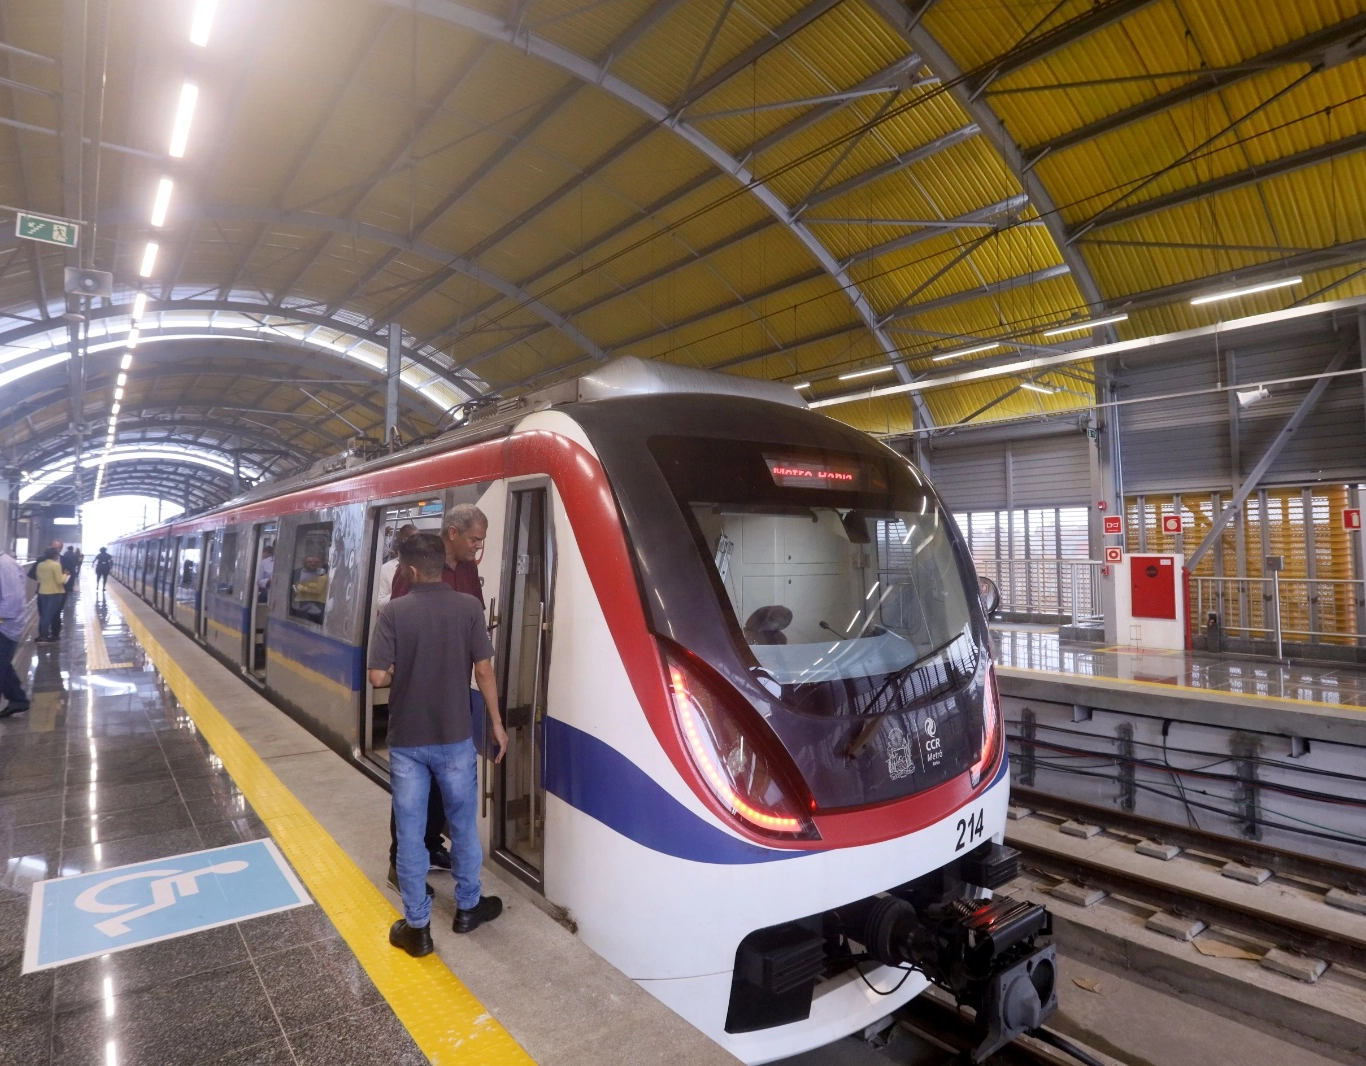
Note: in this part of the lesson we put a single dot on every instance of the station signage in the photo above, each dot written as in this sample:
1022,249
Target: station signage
1171,523
1114,524
61,231
1351,519
1114,555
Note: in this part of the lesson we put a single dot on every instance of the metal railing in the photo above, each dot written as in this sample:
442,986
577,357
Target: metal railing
1313,610
1066,589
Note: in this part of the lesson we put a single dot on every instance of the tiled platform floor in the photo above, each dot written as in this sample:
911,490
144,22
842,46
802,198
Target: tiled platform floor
1039,648
106,770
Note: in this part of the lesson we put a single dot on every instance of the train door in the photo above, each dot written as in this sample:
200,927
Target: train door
212,543
184,583
523,661
425,515
262,574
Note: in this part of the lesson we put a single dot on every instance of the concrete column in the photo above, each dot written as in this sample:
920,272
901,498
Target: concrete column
9,514
1106,484
391,391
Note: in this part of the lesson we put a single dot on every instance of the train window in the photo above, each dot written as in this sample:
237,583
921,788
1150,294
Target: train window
841,573
227,564
309,575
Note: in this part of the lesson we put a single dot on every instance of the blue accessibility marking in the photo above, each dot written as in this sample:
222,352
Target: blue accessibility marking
80,917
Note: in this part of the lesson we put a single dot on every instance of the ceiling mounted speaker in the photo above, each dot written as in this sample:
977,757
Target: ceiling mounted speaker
1247,397
80,282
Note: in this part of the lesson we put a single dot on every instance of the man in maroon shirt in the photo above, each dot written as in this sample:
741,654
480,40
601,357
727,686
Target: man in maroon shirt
462,532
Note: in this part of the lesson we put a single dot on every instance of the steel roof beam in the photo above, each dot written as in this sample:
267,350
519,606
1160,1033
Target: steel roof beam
593,73
941,63
1078,28
994,288
386,170
1329,258
1313,48
310,141
513,141
891,166
1237,180
983,216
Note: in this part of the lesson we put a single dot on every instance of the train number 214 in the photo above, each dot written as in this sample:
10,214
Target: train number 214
969,830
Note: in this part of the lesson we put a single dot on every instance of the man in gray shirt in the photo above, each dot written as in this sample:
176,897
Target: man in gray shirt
426,644
13,603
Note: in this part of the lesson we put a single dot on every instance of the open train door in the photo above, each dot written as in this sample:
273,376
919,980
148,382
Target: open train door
522,643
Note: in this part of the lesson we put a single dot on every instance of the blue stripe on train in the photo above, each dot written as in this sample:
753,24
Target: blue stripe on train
228,612
600,781
334,659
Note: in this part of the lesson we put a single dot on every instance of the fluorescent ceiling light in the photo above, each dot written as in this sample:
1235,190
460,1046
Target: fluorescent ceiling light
1082,327
114,409
802,385
122,381
964,351
118,394
162,203
1233,294
126,361
139,305
203,22
1047,390
132,341
866,373
184,115
149,259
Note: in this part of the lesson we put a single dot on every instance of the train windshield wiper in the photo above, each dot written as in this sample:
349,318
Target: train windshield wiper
953,677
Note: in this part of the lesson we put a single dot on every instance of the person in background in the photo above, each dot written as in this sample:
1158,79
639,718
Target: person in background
426,646
13,601
104,563
384,593
267,571
309,588
71,566
51,595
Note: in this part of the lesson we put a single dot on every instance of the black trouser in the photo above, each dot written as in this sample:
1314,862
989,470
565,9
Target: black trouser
102,580
10,685
436,822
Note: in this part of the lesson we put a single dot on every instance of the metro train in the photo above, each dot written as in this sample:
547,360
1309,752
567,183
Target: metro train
757,757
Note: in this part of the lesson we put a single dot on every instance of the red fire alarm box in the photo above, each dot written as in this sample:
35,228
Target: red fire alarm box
1152,586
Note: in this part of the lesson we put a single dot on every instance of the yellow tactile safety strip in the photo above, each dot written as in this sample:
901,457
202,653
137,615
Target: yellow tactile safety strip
1187,689
443,1017
96,654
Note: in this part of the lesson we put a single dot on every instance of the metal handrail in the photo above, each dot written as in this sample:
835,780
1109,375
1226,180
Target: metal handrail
1061,588
1328,607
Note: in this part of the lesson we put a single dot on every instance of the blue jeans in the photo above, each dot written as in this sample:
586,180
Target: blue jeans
50,614
455,768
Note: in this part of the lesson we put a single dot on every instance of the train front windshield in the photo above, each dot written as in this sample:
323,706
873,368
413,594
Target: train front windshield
850,604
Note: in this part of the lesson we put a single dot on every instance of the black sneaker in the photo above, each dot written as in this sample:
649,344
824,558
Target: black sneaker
441,859
485,910
393,882
13,708
416,942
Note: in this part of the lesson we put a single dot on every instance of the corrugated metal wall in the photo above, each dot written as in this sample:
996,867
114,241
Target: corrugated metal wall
1051,471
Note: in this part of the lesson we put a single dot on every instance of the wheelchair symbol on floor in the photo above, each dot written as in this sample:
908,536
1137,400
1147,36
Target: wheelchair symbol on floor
167,888
82,916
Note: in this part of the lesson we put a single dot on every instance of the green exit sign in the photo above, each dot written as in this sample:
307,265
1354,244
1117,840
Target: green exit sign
49,230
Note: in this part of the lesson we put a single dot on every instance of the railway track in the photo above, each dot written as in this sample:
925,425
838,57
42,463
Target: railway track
934,1020
1287,911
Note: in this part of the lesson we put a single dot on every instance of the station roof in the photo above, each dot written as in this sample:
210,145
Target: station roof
801,190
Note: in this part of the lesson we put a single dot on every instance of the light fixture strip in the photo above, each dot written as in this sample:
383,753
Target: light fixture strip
866,373
1037,388
149,259
202,22
139,305
161,204
184,116
1233,294
132,341
964,351
1082,327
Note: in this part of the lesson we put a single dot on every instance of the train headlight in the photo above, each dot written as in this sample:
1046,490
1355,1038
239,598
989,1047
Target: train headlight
739,765
991,728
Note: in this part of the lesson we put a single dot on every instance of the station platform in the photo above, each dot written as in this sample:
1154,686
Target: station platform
139,748
1322,701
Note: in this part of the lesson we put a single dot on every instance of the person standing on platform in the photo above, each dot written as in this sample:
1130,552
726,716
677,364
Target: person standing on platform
426,645
462,535
51,595
104,563
13,601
